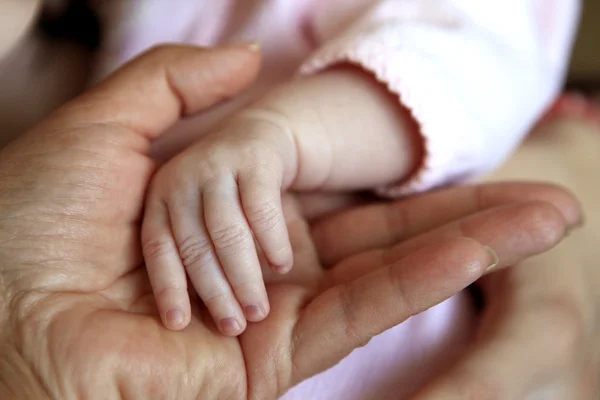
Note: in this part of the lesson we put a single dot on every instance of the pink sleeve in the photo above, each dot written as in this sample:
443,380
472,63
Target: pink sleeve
475,74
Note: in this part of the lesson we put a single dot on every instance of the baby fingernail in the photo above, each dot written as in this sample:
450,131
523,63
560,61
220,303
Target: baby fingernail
280,269
175,317
254,313
495,258
230,326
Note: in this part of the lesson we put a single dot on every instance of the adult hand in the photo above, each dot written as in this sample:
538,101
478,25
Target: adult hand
539,336
78,316
540,332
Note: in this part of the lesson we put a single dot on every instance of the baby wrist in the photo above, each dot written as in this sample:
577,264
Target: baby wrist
274,128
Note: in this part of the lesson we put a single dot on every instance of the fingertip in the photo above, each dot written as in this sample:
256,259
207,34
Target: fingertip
282,261
565,201
256,313
546,224
231,326
175,319
475,257
249,46
227,314
281,269
571,208
556,194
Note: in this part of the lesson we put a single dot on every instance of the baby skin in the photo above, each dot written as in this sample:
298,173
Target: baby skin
214,213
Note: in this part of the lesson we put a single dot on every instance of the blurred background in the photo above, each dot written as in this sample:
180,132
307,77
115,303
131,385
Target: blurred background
55,55
585,66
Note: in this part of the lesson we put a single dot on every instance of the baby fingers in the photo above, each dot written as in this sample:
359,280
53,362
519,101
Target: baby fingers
164,267
260,193
233,243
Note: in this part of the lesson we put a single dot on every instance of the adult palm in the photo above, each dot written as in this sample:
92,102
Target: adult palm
78,314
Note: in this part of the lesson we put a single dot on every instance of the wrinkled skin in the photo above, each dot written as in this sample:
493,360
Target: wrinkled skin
78,316
539,337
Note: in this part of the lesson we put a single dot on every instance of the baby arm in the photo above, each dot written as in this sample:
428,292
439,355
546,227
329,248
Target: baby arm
340,129
349,131
214,212
475,75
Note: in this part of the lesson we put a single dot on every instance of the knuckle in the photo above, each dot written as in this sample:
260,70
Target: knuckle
257,153
350,319
166,183
157,247
263,175
229,237
251,150
169,291
216,296
265,216
399,222
194,250
252,285
158,186
204,166
209,169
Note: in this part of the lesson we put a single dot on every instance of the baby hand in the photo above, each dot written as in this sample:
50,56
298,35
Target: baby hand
209,211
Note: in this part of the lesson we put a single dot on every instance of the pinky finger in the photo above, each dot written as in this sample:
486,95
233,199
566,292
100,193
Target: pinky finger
260,193
165,268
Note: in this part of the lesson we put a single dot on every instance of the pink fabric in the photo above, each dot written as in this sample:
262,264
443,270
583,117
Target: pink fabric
475,74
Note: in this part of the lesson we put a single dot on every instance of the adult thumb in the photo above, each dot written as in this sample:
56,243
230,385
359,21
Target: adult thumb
153,91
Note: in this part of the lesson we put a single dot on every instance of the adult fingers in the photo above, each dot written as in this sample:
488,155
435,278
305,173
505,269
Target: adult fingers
531,228
90,148
383,224
234,246
164,266
86,166
348,315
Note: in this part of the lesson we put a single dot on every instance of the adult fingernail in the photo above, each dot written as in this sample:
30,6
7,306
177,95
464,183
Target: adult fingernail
254,313
230,326
495,258
252,46
175,318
